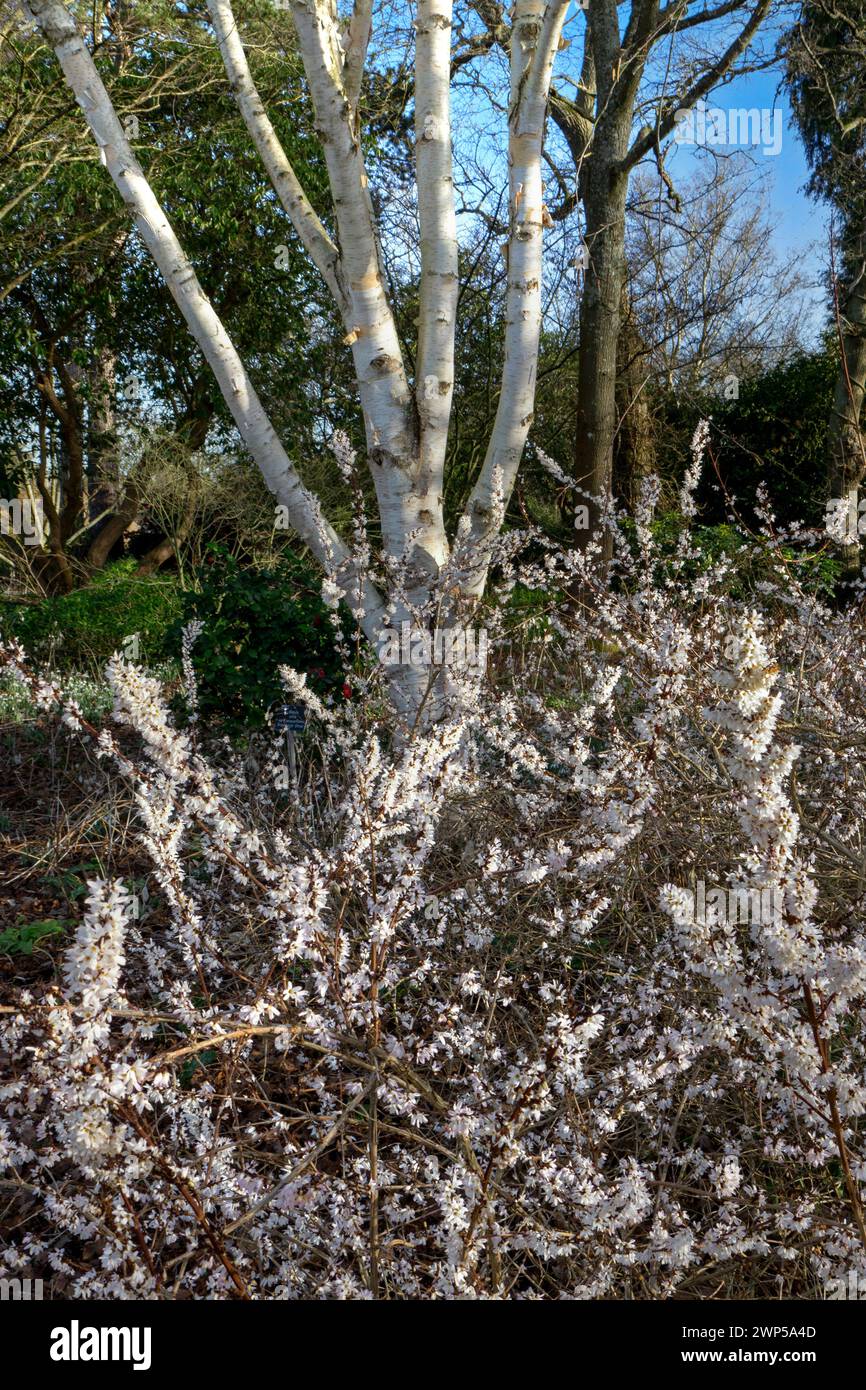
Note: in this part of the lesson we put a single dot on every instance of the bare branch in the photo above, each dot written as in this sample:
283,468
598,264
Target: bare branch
650,135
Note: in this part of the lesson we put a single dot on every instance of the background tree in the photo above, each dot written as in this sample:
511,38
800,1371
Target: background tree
622,112
708,307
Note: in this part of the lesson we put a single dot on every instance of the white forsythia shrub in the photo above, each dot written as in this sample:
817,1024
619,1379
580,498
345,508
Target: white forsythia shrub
480,1020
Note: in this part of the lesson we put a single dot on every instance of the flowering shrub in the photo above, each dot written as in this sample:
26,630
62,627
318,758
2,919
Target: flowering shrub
467,1036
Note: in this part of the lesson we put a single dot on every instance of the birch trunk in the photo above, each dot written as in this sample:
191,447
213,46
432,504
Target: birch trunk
318,245
407,504
434,385
534,42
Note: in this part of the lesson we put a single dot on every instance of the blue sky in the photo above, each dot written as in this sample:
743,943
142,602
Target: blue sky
802,220
802,224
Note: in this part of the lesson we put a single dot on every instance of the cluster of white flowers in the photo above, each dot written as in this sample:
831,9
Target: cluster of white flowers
700,441
189,636
445,1023
69,1098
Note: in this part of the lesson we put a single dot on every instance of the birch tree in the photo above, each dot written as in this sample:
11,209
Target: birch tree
405,413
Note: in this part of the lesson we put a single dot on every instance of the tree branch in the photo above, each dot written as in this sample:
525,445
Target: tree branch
318,244
434,377
651,135
256,430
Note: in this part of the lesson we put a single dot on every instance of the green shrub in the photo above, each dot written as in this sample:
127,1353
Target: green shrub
256,620
775,434
82,630
752,560
26,937
91,693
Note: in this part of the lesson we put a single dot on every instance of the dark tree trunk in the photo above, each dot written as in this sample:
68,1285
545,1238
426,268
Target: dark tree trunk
600,317
634,444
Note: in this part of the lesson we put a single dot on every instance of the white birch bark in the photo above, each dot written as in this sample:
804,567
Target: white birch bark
356,43
318,245
434,384
376,346
406,504
534,42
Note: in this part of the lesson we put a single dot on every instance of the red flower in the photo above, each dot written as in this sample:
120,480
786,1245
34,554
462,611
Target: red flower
347,690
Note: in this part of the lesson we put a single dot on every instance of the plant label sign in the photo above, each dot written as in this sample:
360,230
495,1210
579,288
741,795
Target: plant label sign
290,719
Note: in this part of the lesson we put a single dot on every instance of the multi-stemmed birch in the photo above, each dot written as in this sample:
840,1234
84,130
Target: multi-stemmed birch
406,417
